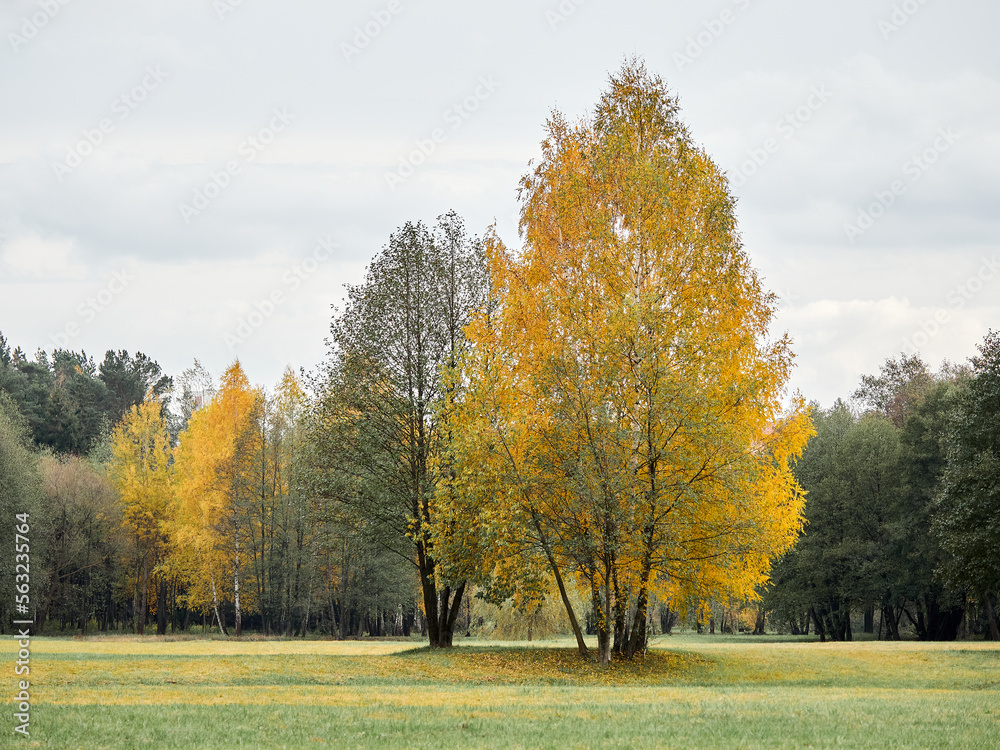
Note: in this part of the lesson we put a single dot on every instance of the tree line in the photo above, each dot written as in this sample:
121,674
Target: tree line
596,423
178,516
903,501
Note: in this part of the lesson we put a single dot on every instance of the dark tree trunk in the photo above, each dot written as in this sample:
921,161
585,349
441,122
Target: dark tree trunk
638,638
141,614
667,619
819,625
601,621
161,607
448,613
621,603
991,616
429,591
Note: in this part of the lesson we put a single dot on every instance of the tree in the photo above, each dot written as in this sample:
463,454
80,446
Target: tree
142,471
852,477
216,468
85,544
278,521
69,403
917,403
967,519
871,482
19,494
623,418
197,388
921,557
129,380
377,416
897,388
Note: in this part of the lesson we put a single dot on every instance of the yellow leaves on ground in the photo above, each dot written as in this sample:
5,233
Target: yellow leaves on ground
694,671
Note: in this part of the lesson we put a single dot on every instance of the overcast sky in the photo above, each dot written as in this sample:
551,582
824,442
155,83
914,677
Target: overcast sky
165,167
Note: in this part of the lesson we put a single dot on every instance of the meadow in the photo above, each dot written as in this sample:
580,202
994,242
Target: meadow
690,692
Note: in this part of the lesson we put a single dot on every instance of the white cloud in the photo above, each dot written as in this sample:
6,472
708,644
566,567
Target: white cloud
33,258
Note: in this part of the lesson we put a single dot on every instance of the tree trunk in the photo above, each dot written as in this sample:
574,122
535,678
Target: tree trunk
305,615
991,616
215,605
448,614
819,625
621,603
580,643
236,587
638,637
141,614
425,567
429,591
345,595
161,607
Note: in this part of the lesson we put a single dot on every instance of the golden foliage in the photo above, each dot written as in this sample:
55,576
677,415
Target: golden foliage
624,402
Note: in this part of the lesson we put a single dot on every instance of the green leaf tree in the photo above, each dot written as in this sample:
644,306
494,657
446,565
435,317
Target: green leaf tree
967,520
380,407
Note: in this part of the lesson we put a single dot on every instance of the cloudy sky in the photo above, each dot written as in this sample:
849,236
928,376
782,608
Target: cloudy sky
200,178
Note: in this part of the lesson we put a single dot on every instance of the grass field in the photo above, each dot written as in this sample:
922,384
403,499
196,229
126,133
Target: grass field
690,692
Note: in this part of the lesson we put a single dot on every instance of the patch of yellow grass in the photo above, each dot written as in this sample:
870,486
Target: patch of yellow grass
693,675
131,645
902,661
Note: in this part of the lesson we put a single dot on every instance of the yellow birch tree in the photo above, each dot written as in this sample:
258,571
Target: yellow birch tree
141,471
622,420
216,464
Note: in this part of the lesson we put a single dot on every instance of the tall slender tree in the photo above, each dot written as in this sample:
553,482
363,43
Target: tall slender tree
216,466
141,468
380,407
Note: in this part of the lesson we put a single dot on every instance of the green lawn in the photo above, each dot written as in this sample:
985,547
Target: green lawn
690,692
